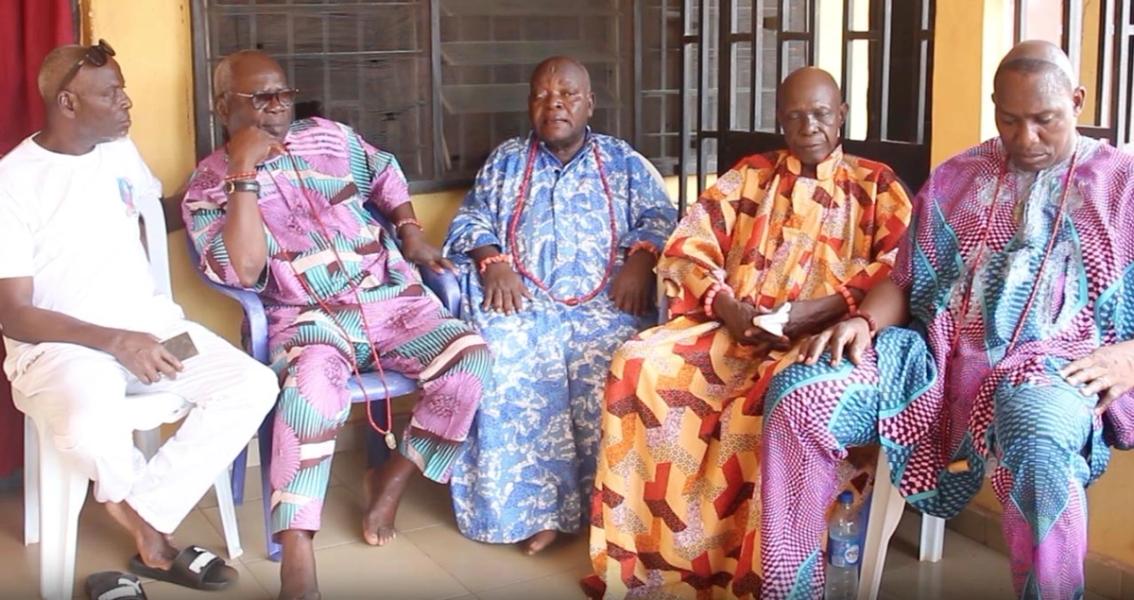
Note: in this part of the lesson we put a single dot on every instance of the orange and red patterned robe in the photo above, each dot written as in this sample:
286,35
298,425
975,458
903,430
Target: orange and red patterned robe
675,510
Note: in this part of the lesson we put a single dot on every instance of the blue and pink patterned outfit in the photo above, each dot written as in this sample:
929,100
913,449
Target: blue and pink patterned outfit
952,388
329,297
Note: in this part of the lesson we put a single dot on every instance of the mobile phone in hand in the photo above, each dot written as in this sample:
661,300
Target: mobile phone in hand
181,346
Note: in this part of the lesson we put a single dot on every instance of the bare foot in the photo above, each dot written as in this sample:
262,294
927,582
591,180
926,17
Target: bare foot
154,547
297,567
384,488
539,541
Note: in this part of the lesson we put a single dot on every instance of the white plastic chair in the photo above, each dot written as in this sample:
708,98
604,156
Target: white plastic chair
54,493
886,507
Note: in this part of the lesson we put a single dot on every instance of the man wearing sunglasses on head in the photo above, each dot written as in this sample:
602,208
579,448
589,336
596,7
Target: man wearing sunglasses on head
82,322
280,209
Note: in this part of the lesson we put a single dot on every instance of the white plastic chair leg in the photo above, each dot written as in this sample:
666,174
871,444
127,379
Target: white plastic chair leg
223,487
932,538
885,512
62,492
31,483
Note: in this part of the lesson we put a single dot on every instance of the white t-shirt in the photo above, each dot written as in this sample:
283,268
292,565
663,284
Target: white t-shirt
70,223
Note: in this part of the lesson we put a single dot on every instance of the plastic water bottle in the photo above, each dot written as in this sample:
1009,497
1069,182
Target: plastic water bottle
844,551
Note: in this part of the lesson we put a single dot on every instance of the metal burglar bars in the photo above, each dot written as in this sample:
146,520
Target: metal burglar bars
441,82
362,62
1098,35
739,51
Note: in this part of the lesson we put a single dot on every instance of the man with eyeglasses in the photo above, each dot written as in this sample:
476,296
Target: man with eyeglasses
782,246
280,210
83,324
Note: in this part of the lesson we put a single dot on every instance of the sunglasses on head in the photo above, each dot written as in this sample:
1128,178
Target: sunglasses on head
95,56
261,100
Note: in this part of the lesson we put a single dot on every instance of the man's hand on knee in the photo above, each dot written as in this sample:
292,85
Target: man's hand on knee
849,338
1108,372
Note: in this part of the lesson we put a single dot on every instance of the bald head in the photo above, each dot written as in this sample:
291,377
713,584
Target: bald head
241,64
564,65
811,112
1039,57
55,67
811,81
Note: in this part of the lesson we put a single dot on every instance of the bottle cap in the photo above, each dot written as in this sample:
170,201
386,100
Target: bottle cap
846,497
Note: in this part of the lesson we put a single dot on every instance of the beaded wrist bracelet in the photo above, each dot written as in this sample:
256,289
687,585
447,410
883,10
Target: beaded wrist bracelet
643,246
852,304
407,221
245,176
871,324
491,260
711,295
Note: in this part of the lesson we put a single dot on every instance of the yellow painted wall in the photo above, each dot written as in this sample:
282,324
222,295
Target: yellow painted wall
970,37
154,48
152,39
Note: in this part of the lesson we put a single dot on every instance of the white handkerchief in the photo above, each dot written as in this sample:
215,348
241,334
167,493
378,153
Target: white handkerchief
774,321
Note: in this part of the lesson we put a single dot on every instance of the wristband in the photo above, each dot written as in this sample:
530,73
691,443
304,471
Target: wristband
246,175
491,260
870,322
407,221
243,185
852,304
643,246
711,295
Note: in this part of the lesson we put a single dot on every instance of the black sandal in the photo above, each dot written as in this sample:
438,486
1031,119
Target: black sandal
114,585
194,567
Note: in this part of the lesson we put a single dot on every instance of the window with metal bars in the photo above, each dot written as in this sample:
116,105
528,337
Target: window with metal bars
1098,35
738,51
441,82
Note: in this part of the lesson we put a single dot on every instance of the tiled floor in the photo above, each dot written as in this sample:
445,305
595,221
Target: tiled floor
430,559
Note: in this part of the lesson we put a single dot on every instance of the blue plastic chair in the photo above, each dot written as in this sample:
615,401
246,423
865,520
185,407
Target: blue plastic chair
444,285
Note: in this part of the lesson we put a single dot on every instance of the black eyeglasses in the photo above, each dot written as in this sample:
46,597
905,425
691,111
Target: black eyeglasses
261,100
95,56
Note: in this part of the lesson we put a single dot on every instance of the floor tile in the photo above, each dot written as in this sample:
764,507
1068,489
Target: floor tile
967,569
247,588
424,504
20,576
482,567
560,586
431,560
399,570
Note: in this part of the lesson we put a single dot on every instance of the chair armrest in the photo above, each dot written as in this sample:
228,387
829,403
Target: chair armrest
445,285
253,315
250,303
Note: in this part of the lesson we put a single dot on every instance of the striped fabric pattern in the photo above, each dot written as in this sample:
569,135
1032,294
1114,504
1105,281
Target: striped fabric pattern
324,315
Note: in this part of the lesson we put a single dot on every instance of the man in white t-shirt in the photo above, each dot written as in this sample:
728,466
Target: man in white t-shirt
83,323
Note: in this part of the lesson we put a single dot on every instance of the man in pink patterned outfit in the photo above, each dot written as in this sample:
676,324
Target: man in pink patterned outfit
280,210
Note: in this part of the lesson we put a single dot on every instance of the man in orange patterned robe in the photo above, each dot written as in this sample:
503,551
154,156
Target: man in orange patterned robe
784,245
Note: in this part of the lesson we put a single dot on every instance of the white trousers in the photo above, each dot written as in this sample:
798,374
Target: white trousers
91,406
